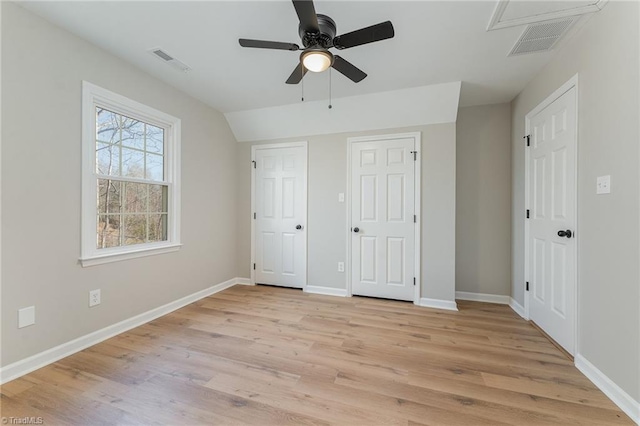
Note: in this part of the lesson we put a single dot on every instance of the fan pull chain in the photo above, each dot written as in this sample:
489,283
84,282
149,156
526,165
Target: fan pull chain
302,72
330,88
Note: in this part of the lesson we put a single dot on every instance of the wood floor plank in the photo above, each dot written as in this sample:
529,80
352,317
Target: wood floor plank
274,356
574,413
288,398
454,403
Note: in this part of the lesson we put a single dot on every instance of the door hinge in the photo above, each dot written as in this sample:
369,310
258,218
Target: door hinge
415,155
528,138
414,280
254,215
528,212
527,286
254,266
254,163
415,219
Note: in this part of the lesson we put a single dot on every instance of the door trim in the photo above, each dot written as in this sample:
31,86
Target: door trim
417,146
570,84
254,148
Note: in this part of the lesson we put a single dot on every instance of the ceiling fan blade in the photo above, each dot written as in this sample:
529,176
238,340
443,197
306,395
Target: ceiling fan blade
297,74
349,70
377,32
307,15
263,44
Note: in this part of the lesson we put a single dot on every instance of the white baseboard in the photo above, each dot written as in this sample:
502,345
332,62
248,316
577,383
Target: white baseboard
39,360
438,304
244,281
483,297
518,308
329,291
619,397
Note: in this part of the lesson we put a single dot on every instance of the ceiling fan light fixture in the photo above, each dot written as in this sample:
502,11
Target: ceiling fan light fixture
317,60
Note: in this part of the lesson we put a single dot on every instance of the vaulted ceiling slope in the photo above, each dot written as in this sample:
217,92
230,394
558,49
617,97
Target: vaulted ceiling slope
435,42
414,106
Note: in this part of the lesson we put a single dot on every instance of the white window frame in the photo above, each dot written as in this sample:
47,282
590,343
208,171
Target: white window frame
92,97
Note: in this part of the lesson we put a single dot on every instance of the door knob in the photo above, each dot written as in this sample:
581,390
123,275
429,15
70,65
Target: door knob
566,233
298,227
356,229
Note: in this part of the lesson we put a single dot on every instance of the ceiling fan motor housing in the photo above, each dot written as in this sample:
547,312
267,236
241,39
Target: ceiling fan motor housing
324,38
318,35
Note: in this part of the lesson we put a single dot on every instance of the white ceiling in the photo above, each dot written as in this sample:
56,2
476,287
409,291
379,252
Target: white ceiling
523,9
435,42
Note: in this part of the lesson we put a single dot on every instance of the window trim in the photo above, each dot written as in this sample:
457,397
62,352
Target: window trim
92,97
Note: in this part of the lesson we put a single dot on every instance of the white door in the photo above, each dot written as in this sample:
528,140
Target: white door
552,219
280,188
382,218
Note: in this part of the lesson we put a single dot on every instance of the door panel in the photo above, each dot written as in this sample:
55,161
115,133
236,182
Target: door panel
395,198
268,252
559,279
539,269
368,260
280,206
382,209
288,198
369,192
288,253
552,192
395,261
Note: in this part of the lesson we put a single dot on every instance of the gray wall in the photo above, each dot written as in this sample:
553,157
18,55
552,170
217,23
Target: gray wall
606,57
42,70
483,199
327,217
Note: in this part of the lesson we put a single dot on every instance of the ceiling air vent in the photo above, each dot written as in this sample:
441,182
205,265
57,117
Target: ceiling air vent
168,59
541,36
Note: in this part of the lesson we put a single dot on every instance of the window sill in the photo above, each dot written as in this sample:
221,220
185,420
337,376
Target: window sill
130,254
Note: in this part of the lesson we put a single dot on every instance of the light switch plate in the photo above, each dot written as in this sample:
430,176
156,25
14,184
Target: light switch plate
341,197
26,316
603,184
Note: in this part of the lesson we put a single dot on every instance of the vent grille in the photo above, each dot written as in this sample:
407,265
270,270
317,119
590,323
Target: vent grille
168,59
163,55
542,36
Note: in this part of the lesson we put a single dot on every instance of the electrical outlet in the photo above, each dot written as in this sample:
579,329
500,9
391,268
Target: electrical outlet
340,266
603,184
26,316
94,298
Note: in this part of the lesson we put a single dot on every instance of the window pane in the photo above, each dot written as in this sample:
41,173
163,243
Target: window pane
108,231
132,163
132,133
107,159
158,199
155,167
135,197
157,227
155,139
109,196
135,229
107,126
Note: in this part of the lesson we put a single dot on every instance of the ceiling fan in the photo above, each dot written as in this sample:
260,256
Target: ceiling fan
318,34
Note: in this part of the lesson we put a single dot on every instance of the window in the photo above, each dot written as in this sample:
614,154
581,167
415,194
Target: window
130,203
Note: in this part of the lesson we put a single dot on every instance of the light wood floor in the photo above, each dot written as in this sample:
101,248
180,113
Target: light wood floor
264,355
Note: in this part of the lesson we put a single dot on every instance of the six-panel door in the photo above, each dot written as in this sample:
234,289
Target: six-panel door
280,228
552,189
382,208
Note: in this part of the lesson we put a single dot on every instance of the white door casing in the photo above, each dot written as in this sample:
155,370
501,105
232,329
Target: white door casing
551,255
384,210
279,215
